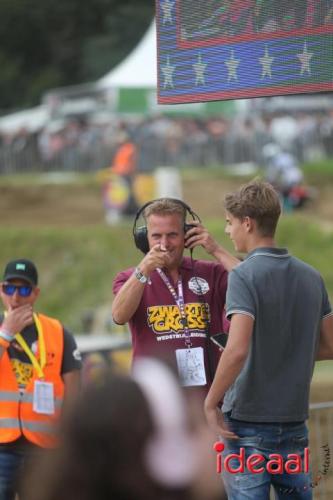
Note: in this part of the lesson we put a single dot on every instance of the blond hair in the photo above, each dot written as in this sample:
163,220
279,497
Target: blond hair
165,206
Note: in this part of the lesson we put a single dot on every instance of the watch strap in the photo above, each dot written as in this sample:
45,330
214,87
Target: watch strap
140,276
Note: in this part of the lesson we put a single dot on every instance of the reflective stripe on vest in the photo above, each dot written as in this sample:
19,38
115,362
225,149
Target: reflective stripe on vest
29,398
14,423
9,423
10,396
38,427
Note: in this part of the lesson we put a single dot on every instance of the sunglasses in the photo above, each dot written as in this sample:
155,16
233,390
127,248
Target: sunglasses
23,290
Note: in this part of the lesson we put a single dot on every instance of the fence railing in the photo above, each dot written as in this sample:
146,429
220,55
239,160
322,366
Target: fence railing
152,153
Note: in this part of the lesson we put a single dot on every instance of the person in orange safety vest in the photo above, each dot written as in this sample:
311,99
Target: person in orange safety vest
39,366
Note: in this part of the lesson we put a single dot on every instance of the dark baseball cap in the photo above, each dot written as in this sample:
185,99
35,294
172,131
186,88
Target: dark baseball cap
22,269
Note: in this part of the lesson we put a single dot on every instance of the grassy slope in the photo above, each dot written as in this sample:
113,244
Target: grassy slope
77,265
78,261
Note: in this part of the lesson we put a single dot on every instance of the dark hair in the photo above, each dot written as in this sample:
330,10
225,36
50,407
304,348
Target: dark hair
258,200
102,452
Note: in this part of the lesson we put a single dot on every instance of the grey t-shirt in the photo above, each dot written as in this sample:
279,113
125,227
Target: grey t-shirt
287,300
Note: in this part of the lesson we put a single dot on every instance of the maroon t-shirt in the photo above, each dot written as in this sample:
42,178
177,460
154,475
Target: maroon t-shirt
156,326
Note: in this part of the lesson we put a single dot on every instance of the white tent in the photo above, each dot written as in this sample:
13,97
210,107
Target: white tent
30,119
132,85
139,69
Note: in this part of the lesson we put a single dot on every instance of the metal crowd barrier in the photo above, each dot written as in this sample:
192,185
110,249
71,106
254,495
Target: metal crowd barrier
228,150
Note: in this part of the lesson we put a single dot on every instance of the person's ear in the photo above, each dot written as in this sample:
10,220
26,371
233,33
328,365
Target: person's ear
248,223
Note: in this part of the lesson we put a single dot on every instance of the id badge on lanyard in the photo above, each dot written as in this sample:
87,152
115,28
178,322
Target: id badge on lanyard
190,361
191,366
43,397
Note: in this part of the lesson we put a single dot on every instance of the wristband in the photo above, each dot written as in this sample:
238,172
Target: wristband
5,335
4,343
139,276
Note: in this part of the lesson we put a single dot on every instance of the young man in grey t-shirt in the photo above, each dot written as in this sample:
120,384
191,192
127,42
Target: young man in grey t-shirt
281,322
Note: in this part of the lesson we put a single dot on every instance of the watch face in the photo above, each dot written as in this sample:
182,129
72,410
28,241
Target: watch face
140,276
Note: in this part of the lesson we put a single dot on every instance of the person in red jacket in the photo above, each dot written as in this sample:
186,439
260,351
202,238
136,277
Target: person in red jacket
39,368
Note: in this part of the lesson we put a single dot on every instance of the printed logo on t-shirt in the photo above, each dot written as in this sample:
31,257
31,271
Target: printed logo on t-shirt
23,372
77,355
198,285
167,319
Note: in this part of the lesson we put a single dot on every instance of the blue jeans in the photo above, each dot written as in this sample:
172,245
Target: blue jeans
266,439
11,463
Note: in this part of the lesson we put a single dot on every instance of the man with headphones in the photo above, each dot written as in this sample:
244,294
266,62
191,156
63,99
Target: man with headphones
174,304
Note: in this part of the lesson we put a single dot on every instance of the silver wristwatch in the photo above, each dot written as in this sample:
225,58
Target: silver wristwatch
139,276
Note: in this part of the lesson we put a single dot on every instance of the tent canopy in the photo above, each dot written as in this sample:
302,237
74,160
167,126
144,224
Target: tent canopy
30,119
139,68
132,85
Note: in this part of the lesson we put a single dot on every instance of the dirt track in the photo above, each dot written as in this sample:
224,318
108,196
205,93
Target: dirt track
49,205
77,204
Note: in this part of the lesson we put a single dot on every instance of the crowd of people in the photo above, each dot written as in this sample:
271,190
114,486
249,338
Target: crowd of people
90,143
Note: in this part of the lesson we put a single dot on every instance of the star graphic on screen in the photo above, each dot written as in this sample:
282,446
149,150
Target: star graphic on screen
183,33
199,69
305,59
232,65
167,7
167,71
266,63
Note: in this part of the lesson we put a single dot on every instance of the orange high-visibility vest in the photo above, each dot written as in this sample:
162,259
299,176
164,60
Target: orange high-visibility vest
124,161
17,416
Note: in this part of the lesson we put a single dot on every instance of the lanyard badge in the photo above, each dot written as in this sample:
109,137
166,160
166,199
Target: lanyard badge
43,395
190,361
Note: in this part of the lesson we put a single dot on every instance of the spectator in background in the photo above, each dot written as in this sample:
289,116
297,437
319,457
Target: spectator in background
284,173
130,438
124,164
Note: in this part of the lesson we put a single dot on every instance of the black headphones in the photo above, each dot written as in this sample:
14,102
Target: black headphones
140,233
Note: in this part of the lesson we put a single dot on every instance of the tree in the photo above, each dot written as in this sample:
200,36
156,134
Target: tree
47,44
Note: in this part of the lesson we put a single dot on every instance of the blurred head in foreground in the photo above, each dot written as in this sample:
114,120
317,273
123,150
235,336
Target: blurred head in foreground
128,438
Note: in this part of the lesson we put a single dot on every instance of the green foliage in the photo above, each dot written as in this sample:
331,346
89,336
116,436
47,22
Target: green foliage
48,44
319,172
76,267
309,242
